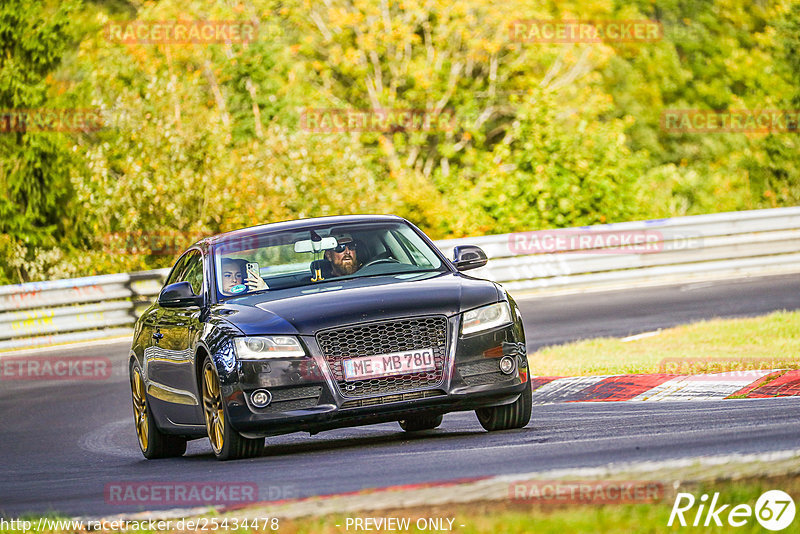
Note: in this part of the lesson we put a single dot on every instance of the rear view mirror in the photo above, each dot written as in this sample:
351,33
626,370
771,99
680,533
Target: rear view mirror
466,257
307,245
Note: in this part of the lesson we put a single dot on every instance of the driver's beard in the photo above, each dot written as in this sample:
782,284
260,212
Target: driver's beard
347,268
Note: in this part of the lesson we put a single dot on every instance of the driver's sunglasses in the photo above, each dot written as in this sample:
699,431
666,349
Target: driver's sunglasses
340,248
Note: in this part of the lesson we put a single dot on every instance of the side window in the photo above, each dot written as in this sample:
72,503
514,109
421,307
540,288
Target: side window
193,271
416,257
177,271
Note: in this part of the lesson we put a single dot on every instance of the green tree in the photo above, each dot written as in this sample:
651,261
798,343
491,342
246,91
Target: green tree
203,138
714,56
774,170
35,188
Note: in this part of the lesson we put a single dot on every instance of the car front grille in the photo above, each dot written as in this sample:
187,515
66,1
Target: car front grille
286,406
482,372
397,397
340,344
293,398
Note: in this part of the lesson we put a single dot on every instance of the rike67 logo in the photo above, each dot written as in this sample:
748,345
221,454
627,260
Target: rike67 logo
774,510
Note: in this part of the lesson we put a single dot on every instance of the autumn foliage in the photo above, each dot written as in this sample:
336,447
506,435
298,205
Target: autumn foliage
200,137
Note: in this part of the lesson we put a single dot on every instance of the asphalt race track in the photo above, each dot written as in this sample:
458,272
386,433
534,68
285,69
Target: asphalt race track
63,442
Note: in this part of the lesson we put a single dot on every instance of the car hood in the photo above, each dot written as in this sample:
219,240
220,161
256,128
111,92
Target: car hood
328,305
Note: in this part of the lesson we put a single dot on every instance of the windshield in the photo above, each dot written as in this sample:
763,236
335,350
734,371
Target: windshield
319,254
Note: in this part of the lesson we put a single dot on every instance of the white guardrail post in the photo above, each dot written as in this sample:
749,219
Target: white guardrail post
640,252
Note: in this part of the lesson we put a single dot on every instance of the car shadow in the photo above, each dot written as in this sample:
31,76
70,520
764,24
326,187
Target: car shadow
349,442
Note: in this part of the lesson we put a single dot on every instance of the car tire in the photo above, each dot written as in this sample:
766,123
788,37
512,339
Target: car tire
420,422
152,442
226,442
514,415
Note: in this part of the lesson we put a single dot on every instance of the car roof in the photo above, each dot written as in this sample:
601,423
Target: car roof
296,224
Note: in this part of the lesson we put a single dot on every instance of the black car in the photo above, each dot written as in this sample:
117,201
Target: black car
316,324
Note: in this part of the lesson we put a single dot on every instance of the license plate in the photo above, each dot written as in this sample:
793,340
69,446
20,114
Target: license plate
394,363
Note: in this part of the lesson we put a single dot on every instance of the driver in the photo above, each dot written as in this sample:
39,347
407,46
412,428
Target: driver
343,258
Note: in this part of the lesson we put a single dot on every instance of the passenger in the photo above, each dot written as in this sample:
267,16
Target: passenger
233,273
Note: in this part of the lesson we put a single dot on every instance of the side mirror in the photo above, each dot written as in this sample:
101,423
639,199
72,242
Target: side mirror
466,257
178,295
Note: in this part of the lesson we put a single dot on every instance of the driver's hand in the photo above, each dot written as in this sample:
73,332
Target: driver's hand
255,283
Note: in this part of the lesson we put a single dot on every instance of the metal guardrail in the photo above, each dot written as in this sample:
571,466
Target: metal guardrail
61,311
680,249
732,244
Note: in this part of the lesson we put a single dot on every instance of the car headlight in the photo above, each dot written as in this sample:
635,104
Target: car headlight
262,347
485,318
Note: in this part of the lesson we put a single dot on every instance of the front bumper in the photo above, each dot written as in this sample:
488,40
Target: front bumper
305,395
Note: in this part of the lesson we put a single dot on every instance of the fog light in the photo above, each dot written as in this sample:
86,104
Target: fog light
507,365
260,398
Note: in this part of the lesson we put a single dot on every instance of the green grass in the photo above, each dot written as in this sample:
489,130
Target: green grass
718,345
523,517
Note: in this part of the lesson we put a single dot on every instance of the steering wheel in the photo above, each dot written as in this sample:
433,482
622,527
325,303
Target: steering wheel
380,260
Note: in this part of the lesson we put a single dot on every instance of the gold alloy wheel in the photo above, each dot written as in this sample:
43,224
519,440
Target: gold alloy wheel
212,407
140,409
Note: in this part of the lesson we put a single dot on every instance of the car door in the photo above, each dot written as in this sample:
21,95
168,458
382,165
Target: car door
152,336
173,366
